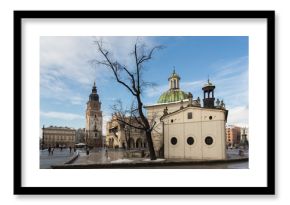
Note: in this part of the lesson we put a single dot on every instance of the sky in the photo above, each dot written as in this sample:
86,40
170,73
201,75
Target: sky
67,73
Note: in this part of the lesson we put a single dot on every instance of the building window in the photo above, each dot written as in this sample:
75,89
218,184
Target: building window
210,117
189,115
208,140
172,121
173,140
190,140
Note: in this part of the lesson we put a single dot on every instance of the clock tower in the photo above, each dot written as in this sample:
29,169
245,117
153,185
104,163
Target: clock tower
94,120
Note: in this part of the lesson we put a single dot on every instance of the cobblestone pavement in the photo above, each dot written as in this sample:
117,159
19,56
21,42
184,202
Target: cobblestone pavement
99,156
59,157
115,156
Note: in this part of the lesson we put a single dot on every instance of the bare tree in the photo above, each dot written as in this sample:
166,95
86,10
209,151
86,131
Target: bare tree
133,83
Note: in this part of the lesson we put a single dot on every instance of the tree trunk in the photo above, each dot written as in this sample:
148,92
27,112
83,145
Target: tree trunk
147,129
150,146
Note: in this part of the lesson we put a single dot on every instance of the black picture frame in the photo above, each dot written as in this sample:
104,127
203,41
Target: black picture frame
19,189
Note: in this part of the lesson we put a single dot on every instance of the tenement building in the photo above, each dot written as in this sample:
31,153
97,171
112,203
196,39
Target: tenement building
58,136
185,128
121,135
233,135
94,119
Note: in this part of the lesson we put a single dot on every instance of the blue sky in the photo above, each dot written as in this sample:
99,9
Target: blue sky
67,76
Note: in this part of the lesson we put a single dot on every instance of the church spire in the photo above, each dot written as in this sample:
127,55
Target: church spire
94,90
94,96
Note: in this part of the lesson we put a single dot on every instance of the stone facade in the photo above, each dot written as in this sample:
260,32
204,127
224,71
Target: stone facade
58,137
195,133
120,135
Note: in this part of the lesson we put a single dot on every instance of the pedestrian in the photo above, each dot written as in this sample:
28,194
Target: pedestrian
106,154
52,149
69,149
49,150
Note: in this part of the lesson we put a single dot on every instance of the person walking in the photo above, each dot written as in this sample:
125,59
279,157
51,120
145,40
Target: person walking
49,150
106,154
52,149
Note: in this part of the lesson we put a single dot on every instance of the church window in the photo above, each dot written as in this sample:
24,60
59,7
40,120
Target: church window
190,140
173,140
208,140
189,115
174,83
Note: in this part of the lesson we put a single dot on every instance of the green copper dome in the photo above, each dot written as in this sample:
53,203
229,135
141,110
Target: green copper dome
172,96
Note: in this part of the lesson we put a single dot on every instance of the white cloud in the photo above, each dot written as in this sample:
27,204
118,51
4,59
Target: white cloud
65,62
155,90
238,116
61,115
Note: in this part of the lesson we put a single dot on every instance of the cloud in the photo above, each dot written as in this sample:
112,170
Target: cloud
238,116
231,80
61,115
65,63
155,90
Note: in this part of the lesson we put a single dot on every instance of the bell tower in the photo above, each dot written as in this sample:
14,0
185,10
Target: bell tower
94,120
208,95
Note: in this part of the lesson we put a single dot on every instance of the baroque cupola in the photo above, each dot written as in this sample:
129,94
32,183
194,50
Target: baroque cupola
174,93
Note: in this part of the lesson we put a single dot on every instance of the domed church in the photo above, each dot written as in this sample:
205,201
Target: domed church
184,128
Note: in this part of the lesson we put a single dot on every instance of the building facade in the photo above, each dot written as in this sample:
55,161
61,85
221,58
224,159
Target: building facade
233,135
188,117
94,120
58,137
195,133
121,135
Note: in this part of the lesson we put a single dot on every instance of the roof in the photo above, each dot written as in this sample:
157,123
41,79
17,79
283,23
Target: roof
174,75
208,85
172,96
193,107
160,104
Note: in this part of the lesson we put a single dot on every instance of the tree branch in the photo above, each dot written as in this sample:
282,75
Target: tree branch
123,121
113,68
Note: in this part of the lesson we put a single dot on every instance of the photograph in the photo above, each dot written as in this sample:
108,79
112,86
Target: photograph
144,102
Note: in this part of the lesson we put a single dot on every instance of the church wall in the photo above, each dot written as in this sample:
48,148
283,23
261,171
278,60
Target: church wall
156,112
199,127
193,151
